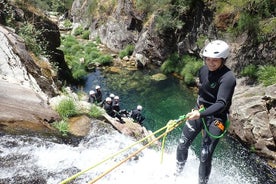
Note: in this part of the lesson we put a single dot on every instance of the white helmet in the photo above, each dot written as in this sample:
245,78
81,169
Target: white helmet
111,95
116,98
108,99
216,49
139,107
98,87
91,92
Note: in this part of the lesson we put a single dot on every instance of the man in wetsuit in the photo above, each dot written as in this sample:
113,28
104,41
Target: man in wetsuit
110,111
92,96
137,116
216,88
98,94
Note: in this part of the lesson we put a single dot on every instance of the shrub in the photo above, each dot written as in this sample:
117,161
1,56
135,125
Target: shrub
95,111
66,108
250,71
248,22
172,64
78,31
62,126
266,75
30,36
189,71
79,72
127,51
104,59
85,35
67,23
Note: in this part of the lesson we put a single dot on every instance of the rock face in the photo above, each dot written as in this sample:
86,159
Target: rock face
23,88
253,118
23,110
125,25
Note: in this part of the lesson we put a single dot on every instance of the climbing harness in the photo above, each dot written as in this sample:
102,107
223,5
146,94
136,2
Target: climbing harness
219,125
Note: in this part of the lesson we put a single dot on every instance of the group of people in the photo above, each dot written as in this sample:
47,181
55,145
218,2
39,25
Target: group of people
111,105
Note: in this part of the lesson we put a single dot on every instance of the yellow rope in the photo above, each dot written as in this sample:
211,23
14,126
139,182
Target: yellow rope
133,154
172,124
110,157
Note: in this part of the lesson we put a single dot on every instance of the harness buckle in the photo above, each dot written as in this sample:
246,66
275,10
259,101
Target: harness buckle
219,125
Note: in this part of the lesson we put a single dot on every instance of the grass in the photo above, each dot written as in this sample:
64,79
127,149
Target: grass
82,55
62,126
66,108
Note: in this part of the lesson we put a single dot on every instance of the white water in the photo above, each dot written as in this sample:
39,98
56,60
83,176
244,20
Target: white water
52,161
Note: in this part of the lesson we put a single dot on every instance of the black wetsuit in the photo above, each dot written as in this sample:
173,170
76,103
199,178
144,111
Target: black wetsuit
92,99
216,89
137,116
116,105
99,96
111,112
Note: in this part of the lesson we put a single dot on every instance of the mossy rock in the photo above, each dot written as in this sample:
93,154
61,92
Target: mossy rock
158,77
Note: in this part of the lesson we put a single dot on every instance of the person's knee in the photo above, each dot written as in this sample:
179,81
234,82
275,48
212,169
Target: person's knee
205,155
183,143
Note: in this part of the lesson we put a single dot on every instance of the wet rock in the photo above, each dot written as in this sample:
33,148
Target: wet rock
80,125
159,77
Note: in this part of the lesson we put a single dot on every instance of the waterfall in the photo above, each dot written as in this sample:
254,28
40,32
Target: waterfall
33,159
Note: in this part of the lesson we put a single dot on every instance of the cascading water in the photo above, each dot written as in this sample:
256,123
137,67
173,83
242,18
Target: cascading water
26,159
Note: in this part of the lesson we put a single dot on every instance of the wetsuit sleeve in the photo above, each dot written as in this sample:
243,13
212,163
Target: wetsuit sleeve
224,96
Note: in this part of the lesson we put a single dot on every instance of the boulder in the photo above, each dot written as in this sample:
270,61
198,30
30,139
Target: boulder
253,118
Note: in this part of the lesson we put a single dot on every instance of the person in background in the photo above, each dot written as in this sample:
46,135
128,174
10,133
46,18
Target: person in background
112,96
110,111
216,87
92,96
137,116
116,104
98,94
116,107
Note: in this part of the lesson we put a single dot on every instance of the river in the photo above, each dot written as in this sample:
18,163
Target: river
37,159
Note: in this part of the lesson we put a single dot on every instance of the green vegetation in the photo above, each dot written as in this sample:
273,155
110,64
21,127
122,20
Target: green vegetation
172,64
82,56
78,31
95,111
263,74
62,127
31,36
189,71
250,71
127,51
266,75
256,17
169,13
49,5
66,108
187,66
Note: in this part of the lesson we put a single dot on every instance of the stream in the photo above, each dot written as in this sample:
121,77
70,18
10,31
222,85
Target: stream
39,159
